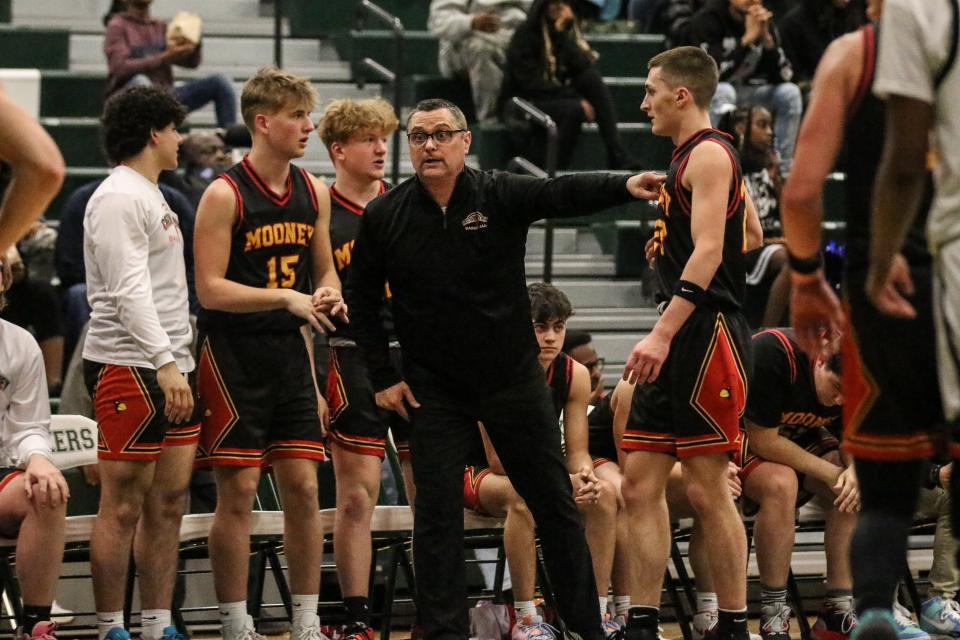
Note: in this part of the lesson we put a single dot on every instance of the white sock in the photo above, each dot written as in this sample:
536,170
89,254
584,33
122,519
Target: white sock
233,617
153,622
107,620
304,612
524,608
621,605
707,601
603,607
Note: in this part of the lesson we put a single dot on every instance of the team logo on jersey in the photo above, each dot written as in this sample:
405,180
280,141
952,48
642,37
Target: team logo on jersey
475,221
168,221
4,382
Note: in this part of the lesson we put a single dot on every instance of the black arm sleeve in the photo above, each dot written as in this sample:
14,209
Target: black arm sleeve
564,197
364,297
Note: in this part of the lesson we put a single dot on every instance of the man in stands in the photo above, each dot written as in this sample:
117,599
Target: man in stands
33,492
474,35
355,133
136,362
138,53
487,489
741,37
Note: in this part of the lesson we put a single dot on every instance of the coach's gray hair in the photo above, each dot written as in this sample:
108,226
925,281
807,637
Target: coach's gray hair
433,104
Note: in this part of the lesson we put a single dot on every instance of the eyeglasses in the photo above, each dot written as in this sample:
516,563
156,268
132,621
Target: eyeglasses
441,136
596,365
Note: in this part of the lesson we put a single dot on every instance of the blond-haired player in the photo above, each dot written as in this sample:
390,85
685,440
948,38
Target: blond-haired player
265,276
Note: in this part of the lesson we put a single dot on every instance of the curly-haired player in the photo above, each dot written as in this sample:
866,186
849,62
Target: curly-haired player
136,361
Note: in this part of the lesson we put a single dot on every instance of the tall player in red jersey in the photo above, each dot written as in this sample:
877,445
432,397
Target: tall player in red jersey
264,276
691,370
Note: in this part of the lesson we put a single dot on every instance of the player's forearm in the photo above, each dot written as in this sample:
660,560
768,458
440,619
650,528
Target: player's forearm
577,460
38,172
220,294
897,195
776,448
699,270
801,214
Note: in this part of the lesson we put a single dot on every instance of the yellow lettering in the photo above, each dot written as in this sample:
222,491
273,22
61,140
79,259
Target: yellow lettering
342,255
302,234
290,230
253,240
278,233
267,235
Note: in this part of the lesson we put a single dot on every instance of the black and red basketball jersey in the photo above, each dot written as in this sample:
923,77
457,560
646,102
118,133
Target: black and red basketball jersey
863,144
675,239
559,379
782,390
345,218
270,245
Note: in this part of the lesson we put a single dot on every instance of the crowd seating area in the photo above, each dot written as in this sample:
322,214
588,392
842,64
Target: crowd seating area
597,261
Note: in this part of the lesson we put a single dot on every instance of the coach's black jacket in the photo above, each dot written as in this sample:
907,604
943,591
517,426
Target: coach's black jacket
457,279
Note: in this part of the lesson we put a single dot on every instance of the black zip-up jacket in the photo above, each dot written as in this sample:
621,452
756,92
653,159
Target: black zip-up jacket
457,278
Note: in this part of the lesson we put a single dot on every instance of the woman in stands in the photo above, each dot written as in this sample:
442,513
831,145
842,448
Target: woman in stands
551,65
768,282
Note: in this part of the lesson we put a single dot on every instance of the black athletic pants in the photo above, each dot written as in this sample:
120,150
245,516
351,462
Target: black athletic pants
522,425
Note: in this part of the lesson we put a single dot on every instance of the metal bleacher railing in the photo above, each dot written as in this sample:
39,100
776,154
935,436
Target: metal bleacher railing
395,77
538,117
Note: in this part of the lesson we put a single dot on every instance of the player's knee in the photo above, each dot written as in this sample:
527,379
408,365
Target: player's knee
640,491
168,505
780,490
354,503
518,509
301,494
125,514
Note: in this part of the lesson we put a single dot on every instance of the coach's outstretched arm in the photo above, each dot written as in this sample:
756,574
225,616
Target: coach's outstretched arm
38,171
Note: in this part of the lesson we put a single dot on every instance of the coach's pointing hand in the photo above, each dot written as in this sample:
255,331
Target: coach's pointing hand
646,186
396,398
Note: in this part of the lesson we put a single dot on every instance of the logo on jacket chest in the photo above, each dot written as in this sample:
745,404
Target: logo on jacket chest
475,221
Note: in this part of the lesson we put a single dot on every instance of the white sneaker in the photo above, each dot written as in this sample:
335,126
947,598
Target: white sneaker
243,631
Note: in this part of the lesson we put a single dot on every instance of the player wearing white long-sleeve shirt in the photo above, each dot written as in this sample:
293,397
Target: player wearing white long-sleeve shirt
33,493
136,362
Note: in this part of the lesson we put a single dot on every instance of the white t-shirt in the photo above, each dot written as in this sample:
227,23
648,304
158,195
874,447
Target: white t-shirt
915,41
136,276
24,403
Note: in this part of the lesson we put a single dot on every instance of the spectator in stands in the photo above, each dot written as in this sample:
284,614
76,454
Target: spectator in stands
768,280
808,27
203,156
33,492
474,35
671,18
940,613
69,255
35,306
741,37
138,53
550,64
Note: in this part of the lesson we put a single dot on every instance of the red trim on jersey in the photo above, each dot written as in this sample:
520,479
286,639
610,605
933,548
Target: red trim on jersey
264,188
869,65
236,192
349,204
313,192
788,349
685,203
686,206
